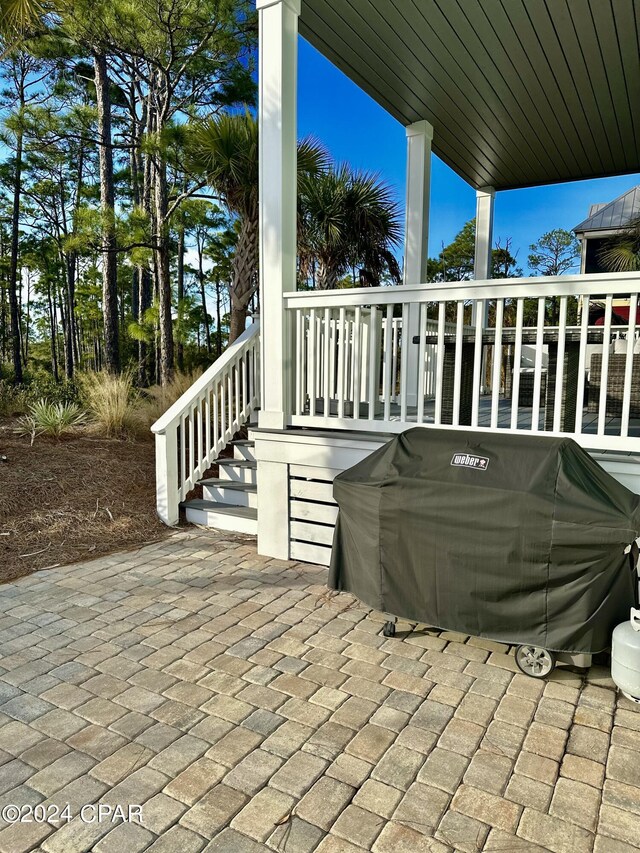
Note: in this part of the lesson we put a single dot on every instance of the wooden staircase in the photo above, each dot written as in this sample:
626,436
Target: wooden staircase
230,500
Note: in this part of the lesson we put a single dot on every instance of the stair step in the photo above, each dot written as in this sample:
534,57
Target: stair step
237,470
228,484
230,492
243,448
239,519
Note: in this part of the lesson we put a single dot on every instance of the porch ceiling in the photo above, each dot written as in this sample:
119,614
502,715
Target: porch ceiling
520,92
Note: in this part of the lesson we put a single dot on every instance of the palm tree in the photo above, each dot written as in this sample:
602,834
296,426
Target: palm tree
20,17
622,252
225,150
349,220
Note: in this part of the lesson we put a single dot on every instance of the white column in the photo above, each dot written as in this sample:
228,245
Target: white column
416,236
278,72
485,199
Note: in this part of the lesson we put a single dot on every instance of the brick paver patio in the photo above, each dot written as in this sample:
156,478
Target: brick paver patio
246,709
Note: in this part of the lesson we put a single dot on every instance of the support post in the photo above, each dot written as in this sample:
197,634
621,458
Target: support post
273,507
167,497
482,264
416,238
277,124
485,199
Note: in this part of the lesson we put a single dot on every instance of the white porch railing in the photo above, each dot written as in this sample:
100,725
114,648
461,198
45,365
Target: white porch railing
190,435
351,359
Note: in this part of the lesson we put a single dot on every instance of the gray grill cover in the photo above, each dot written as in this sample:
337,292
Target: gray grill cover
514,538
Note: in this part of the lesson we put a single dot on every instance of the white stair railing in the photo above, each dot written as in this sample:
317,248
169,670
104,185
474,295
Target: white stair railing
190,435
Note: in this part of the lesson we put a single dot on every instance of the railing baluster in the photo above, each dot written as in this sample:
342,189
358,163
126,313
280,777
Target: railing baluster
299,367
207,427
606,340
216,422
319,360
439,363
404,358
478,380
582,367
558,392
356,362
457,365
422,366
628,367
394,361
199,440
229,434
341,364
326,340
183,455
497,364
374,363
537,372
236,376
223,408
517,358
312,362
388,359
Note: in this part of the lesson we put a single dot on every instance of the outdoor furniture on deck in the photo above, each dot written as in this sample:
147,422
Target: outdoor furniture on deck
550,337
615,384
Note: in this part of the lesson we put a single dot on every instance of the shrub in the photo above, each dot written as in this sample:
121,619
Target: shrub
53,419
13,400
110,401
42,386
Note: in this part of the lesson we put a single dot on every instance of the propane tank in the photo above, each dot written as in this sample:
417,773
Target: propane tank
625,656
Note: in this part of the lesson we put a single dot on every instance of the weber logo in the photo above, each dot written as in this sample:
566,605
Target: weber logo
465,460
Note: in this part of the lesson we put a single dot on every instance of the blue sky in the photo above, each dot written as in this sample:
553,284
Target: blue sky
356,129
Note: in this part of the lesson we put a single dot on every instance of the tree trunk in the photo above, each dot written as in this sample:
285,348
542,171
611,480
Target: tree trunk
107,203
163,278
203,296
54,335
66,314
238,323
218,313
244,276
327,278
145,290
181,306
14,312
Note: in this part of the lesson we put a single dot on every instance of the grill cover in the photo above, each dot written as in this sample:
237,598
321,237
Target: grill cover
515,538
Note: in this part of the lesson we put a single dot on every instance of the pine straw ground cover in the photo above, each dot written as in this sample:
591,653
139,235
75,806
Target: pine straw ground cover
73,499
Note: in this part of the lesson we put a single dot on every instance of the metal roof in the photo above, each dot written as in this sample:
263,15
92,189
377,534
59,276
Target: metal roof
520,92
614,215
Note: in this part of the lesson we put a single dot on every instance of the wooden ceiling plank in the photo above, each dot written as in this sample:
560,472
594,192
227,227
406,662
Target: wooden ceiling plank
516,99
341,53
583,23
456,47
628,21
521,92
549,98
609,48
477,132
451,142
579,71
576,125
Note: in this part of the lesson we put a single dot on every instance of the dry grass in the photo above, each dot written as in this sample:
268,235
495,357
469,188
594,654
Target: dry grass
111,402
156,400
74,499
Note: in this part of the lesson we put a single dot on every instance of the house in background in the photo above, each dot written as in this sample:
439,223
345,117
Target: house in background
505,95
604,222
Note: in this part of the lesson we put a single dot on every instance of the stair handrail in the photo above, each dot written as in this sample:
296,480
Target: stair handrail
191,433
